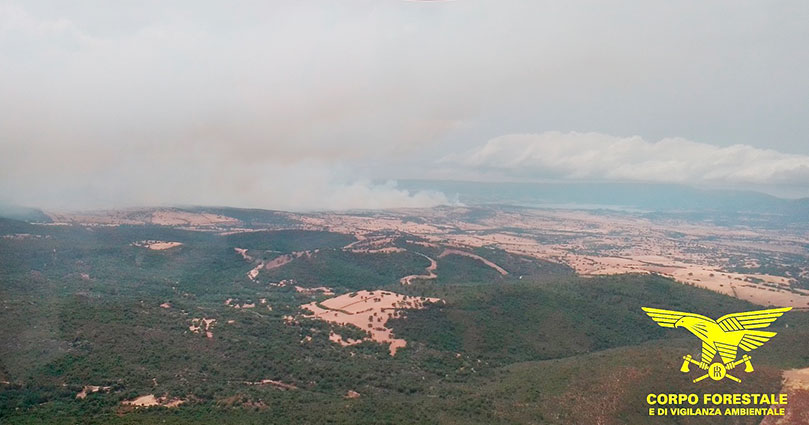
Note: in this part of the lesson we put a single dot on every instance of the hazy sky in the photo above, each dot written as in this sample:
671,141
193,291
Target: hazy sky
310,104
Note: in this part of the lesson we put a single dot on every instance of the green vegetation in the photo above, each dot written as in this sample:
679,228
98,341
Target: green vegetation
289,240
349,270
82,306
457,268
528,321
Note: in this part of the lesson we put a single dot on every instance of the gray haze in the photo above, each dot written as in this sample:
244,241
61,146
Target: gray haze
305,105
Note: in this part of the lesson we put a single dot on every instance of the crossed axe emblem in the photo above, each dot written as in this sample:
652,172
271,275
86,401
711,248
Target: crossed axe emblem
717,371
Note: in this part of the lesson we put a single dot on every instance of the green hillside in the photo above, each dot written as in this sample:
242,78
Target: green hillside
83,306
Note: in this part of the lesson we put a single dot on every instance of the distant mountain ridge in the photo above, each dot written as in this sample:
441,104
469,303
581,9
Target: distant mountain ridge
23,213
647,197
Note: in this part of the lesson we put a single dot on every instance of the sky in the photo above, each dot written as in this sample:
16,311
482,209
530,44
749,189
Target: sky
327,104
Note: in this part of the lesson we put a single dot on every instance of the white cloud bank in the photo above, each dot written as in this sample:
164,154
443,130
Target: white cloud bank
596,156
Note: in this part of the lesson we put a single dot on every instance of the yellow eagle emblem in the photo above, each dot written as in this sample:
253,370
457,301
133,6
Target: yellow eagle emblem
724,336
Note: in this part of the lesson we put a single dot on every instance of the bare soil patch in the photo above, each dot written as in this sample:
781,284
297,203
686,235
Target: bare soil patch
796,386
313,291
200,325
149,400
156,245
89,389
369,311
